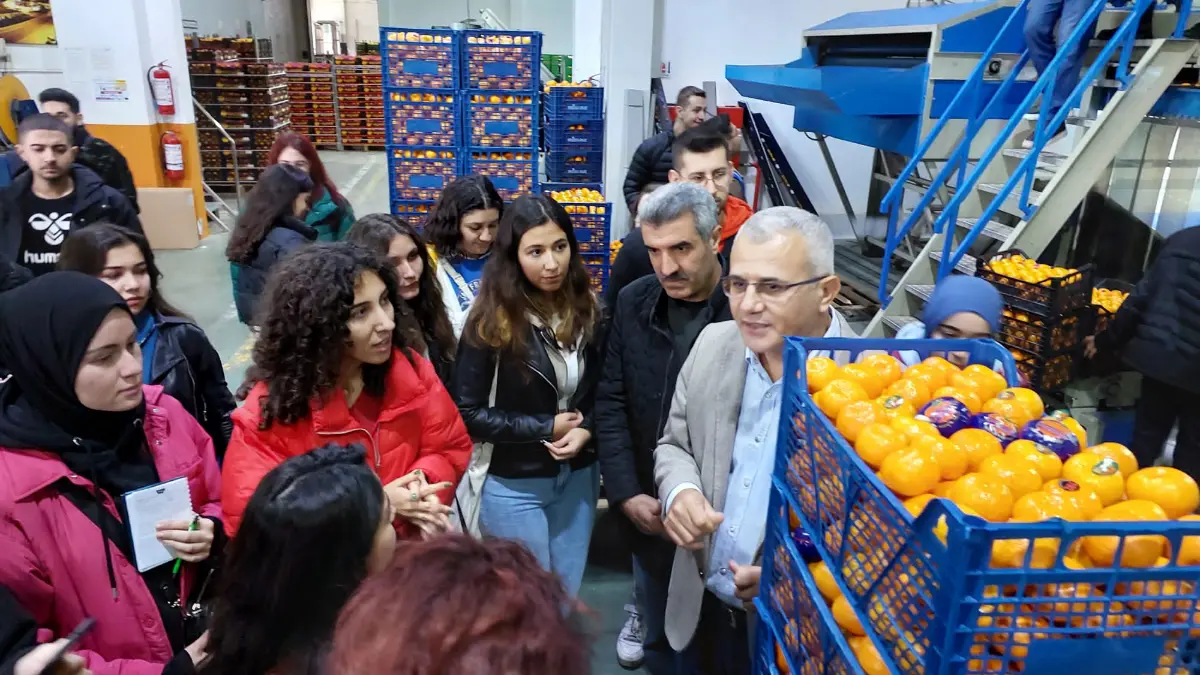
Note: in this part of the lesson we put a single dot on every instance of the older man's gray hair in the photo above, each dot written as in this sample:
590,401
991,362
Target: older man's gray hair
673,201
789,220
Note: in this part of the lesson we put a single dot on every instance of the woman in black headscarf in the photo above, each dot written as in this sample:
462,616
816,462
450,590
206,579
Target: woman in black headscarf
77,431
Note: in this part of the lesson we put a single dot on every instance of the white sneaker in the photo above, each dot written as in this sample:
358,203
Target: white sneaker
629,642
1058,136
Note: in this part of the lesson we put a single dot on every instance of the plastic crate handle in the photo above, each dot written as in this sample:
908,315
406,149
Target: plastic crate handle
501,69
502,128
420,67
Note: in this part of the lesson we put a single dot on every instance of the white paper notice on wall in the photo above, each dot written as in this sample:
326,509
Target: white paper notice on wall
111,90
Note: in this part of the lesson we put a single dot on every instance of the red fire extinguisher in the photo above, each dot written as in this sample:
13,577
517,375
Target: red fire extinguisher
172,155
162,88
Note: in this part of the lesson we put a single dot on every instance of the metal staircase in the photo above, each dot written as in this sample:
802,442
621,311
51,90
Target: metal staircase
1010,197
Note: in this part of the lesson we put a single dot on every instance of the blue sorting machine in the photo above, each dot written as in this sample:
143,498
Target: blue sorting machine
881,78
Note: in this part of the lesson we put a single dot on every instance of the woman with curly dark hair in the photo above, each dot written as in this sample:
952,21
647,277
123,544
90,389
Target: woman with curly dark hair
525,379
330,365
269,228
482,611
176,354
393,237
461,228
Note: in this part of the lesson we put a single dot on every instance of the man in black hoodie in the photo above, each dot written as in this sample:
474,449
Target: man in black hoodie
41,206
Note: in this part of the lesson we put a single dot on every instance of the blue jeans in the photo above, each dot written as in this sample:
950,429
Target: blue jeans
552,517
1043,40
651,579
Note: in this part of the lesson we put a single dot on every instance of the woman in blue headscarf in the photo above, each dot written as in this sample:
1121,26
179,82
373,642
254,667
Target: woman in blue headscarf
960,307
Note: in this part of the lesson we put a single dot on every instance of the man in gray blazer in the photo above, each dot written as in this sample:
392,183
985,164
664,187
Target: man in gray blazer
713,464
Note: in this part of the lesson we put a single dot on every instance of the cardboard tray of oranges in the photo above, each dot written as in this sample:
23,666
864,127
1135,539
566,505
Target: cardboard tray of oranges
1107,298
1036,288
971,538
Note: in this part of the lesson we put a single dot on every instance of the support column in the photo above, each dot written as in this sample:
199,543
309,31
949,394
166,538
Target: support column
628,28
107,44
588,38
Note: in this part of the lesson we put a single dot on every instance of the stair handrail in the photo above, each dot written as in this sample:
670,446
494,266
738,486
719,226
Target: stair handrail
1122,38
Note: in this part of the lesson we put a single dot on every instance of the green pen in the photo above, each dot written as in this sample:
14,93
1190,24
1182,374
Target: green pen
191,528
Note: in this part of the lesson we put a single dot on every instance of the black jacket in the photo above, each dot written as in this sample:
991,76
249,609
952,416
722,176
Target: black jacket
190,370
286,235
632,263
98,155
1157,328
12,275
526,403
18,632
641,365
650,164
94,202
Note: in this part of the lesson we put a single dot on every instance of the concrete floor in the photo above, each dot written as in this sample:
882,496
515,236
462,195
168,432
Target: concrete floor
197,281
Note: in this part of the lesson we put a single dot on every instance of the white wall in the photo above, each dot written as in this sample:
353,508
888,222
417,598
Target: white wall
357,19
700,37
225,17
555,19
38,67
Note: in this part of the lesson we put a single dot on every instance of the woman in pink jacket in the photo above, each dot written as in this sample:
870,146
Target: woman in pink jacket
77,431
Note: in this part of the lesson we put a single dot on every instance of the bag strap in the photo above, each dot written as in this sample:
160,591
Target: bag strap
110,526
491,403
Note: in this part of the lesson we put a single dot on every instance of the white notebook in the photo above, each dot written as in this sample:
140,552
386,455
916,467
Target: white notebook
145,509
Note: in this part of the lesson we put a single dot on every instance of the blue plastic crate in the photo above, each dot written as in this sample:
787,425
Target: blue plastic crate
792,609
502,59
420,57
512,170
586,103
942,608
501,119
585,165
424,117
572,135
421,173
415,212
597,265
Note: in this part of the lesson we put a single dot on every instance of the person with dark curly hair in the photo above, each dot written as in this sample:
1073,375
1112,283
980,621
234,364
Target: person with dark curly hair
317,526
176,354
463,606
525,381
398,240
330,365
461,227
268,229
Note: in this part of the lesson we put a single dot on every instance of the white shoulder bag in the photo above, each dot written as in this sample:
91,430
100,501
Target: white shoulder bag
468,494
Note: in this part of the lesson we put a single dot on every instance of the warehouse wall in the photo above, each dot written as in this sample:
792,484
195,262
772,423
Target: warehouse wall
763,32
356,19
225,17
554,18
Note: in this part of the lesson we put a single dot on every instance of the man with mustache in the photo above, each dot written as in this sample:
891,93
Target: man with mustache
655,321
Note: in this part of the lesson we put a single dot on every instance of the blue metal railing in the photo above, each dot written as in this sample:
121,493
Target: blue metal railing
967,105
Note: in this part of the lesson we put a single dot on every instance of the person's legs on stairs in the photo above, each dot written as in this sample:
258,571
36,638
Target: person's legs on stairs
1039,31
1073,12
1154,416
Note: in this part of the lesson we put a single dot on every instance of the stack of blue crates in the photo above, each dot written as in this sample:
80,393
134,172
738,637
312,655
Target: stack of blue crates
424,108
500,80
574,136
592,222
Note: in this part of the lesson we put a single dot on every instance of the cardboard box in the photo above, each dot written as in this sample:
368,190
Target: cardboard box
169,217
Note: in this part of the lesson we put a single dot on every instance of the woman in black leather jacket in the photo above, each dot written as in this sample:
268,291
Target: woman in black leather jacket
176,354
536,328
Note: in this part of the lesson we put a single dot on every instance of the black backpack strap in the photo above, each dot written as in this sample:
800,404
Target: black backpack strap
87,503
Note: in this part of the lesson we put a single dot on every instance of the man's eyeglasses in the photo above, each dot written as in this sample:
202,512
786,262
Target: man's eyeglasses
767,288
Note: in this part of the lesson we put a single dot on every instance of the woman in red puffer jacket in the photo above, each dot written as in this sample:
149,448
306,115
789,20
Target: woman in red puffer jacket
338,361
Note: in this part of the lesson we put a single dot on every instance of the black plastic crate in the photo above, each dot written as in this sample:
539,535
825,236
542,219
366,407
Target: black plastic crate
1045,374
1052,297
1045,336
1103,316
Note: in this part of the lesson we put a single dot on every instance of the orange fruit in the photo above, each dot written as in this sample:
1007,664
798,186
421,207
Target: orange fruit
896,406
1038,506
987,495
992,381
942,489
1012,553
887,367
820,371
967,398
1047,463
876,441
1026,397
1101,474
951,459
865,377
941,364
930,376
856,415
1082,497
942,529
825,582
1020,476
1140,550
844,614
915,505
978,444
910,472
835,395
1075,427
914,391
1118,453
1189,551
966,383
1009,407
912,427
1170,488
868,657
